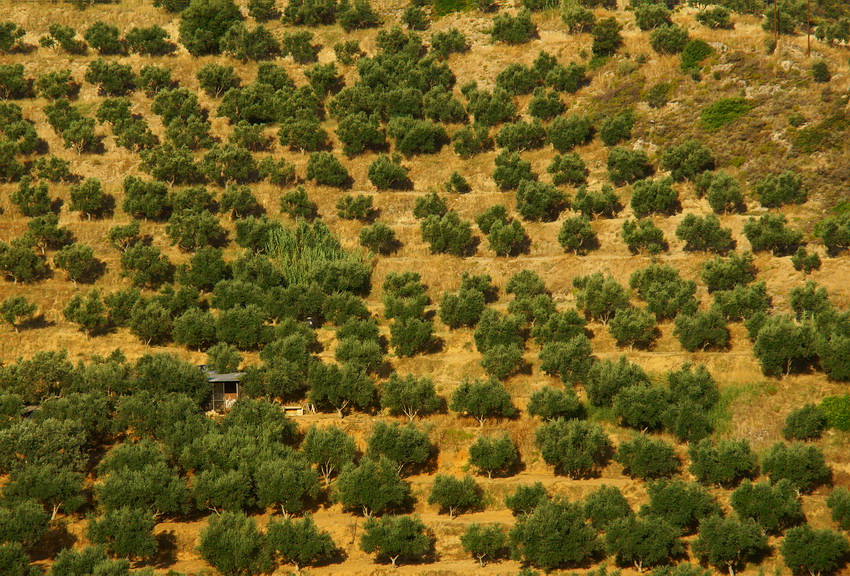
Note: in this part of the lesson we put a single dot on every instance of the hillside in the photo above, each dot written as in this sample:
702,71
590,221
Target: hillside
212,262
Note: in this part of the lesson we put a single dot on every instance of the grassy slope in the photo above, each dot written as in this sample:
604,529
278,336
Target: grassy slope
749,148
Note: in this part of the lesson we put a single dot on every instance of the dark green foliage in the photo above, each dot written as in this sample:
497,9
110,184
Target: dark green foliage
568,169
32,199
153,79
627,166
216,79
701,330
24,522
805,262
326,170
644,458
599,296
575,448
300,46
715,17
244,44
517,79
303,135
447,234
554,535
810,551
693,54
412,136
373,487
204,23
643,542
805,423
774,190
601,204
576,235
633,327
668,39
526,498
482,399
341,388
88,312
379,238
79,263
520,136
567,132
66,37
357,15
11,38
409,395
105,38
387,173
150,41
329,448
16,310
517,29
545,105
704,234
617,128
231,542
834,231
800,464
296,204
57,84
111,78
684,505
655,197
727,273
820,72
727,543
571,359
774,507
20,263
484,542
407,446
649,16
641,406
781,345
310,12
146,266
725,463
664,291
643,236
454,495
537,201
687,160
299,542
395,538
605,506
126,532
493,455
839,506
359,132
350,207
347,52
723,111
606,37
578,18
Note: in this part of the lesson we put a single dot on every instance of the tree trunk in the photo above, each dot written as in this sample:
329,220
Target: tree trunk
731,569
55,511
481,561
393,559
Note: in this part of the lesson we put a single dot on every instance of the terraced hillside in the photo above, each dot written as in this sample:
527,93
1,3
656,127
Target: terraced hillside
596,247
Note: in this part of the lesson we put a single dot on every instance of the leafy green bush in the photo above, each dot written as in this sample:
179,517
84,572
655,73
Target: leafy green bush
723,111
770,233
715,17
627,166
567,132
606,37
536,201
517,29
694,52
704,234
701,331
668,39
774,190
643,235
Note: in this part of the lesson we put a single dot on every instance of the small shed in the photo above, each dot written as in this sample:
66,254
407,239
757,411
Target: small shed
225,388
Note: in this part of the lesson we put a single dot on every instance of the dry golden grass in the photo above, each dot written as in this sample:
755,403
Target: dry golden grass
749,148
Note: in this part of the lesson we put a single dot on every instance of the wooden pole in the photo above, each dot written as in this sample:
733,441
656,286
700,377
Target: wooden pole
808,27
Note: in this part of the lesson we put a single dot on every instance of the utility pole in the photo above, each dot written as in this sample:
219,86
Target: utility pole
808,28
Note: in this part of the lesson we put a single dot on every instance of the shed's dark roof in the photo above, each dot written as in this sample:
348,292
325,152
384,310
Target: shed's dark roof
213,376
